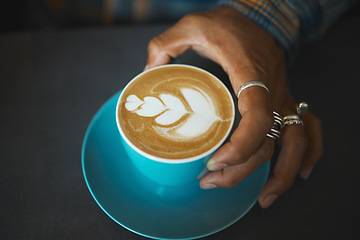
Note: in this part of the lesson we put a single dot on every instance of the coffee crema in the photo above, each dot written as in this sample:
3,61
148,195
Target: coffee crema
175,112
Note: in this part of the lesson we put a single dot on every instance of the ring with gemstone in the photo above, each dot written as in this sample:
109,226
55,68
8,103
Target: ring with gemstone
302,108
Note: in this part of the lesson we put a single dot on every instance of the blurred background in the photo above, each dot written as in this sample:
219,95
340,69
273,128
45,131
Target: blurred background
23,15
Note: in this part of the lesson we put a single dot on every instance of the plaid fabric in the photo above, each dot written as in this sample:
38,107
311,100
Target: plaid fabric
290,21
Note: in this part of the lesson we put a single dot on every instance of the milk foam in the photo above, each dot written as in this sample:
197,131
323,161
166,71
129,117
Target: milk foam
203,114
169,109
175,112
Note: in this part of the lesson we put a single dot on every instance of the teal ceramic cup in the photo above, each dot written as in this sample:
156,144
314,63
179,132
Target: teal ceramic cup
170,172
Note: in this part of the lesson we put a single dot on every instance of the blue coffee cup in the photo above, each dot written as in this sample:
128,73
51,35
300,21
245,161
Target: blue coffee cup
170,172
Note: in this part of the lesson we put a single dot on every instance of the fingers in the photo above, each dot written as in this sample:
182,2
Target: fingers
232,175
160,52
293,147
301,149
257,120
246,53
248,147
315,150
254,105
223,42
181,37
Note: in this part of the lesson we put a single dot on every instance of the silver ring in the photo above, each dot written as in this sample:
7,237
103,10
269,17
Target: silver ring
302,108
275,131
252,84
292,119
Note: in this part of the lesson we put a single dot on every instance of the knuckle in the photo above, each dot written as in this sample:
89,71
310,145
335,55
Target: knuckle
155,44
198,19
201,22
233,150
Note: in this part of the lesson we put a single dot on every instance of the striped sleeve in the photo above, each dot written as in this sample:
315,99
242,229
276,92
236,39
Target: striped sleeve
290,21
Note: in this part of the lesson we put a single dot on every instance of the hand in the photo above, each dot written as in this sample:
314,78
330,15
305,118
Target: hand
246,52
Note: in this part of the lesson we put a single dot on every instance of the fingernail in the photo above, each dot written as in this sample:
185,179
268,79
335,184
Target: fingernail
215,166
305,174
270,199
146,67
208,186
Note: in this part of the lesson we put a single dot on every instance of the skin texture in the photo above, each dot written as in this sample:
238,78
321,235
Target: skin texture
246,52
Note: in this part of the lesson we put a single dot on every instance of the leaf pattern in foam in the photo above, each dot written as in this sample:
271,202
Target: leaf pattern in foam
203,115
151,107
133,102
170,109
199,102
175,110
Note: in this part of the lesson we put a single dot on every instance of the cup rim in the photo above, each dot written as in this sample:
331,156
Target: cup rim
166,160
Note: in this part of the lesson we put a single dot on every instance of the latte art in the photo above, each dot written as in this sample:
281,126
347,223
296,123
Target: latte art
168,109
175,112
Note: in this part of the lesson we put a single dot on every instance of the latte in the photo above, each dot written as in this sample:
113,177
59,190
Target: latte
175,112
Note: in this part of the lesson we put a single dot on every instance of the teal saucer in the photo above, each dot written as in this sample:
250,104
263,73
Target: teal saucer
149,209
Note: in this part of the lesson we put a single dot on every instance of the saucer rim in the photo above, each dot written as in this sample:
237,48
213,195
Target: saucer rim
93,121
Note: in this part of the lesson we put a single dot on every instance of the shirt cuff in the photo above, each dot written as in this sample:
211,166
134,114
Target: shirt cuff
281,22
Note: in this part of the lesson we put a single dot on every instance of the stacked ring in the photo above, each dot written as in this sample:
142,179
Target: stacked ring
292,119
275,131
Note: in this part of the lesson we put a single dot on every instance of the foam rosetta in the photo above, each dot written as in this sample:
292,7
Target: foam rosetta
171,109
175,112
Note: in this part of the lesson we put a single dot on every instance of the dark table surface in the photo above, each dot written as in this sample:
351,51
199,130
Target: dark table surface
52,83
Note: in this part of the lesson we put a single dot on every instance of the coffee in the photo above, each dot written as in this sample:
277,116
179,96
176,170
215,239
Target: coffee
175,112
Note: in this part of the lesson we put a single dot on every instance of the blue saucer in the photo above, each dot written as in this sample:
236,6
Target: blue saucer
151,210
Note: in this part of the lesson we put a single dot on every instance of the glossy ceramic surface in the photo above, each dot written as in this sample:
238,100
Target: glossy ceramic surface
172,172
150,209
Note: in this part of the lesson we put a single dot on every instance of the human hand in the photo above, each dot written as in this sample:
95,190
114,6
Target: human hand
246,52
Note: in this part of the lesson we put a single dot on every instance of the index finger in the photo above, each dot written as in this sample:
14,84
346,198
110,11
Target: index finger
174,41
